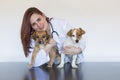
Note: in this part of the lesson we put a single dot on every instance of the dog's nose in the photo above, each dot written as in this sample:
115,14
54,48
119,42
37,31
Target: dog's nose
40,42
76,41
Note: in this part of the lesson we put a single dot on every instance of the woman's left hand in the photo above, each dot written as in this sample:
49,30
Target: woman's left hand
71,50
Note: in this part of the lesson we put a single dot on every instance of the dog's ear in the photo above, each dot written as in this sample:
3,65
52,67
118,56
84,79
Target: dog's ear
82,31
69,33
48,35
34,35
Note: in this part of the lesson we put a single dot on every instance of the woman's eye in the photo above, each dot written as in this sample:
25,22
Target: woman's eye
38,19
33,24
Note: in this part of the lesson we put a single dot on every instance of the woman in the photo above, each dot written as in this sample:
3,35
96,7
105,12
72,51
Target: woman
35,20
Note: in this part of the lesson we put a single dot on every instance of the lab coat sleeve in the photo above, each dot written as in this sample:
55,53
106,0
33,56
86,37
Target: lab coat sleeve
65,27
61,27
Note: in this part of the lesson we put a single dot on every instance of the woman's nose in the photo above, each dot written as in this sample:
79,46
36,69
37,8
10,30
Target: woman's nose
38,24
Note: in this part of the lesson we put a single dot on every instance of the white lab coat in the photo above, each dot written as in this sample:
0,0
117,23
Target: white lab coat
61,27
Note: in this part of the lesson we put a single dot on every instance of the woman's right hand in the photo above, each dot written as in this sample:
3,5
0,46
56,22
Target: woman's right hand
71,50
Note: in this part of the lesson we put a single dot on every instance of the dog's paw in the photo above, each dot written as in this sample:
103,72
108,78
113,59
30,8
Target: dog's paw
60,66
30,65
74,66
49,66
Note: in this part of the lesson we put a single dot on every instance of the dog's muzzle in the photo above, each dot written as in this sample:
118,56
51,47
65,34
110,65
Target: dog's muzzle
76,41
40,42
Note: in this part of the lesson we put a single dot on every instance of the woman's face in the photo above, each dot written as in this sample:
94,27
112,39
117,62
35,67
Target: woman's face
39,22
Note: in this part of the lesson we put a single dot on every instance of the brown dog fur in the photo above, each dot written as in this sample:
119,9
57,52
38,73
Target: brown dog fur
79,32
41,40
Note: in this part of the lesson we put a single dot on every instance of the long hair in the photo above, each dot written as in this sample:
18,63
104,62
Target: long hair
26,28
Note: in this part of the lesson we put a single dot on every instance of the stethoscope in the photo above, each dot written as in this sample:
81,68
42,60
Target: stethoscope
56,33
53,31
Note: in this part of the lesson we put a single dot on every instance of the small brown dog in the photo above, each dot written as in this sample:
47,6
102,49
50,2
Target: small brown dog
41,40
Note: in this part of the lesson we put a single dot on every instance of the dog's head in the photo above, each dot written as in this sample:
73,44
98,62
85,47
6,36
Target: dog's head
41,37
76,34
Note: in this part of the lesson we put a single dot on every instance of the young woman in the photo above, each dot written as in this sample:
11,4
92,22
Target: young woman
35,20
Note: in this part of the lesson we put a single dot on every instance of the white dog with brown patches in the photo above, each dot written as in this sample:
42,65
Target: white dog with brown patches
74,36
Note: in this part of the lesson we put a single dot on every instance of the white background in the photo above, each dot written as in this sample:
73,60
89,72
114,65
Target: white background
99,18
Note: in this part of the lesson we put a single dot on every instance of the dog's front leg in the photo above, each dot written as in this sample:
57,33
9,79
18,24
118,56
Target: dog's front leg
74,57
62,61
52,57
36,49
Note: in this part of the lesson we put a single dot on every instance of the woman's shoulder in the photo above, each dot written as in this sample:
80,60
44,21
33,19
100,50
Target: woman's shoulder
58,20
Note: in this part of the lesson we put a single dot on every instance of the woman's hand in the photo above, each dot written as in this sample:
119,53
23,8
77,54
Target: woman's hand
71,50
51,44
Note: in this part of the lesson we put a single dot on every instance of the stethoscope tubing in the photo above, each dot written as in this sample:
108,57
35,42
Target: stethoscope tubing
53,31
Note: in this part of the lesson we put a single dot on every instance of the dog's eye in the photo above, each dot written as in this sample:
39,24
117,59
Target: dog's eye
43,36
73,35
37,36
